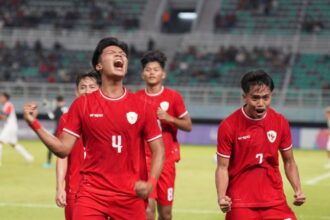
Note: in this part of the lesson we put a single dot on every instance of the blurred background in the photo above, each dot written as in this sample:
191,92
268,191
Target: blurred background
209,44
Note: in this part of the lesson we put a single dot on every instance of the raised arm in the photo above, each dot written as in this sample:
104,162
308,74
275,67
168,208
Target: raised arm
221,182
292,174
61,146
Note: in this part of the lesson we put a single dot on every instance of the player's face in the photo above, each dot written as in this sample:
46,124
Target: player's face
86,85
257,101
113,62
153,73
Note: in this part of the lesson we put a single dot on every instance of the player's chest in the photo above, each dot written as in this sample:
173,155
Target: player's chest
114,116
258,136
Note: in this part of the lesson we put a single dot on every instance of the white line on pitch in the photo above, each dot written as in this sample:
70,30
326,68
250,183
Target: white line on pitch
317,179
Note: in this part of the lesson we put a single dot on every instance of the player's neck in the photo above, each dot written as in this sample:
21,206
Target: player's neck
112,89
154,89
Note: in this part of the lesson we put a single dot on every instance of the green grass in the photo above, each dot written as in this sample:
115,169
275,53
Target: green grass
28,191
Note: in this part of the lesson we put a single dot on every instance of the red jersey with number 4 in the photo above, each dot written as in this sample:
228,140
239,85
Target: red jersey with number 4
252,147
75,160
113,131
171,102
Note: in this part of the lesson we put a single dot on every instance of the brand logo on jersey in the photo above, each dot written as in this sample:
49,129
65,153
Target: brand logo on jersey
271,136
96,115
131,117
244,137
164,105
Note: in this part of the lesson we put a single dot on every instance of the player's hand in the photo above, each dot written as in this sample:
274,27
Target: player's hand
30,112
225,204
143,189
162,115
60,198
299,199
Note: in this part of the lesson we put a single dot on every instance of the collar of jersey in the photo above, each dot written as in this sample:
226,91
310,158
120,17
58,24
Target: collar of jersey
253,119
156,94
114,99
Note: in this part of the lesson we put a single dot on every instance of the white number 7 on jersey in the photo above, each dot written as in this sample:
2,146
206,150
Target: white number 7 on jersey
116,143
260,156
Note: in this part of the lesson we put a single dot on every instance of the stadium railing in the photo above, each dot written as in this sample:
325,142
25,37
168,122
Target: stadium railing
203,102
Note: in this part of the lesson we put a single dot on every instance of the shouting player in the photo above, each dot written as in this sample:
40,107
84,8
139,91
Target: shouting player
8,135
172,113
248,180
67,169
113,124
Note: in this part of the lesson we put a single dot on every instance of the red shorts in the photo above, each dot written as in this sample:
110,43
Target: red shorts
279,212
68,210
96,206
165,185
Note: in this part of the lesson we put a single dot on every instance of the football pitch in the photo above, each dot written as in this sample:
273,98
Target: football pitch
28,191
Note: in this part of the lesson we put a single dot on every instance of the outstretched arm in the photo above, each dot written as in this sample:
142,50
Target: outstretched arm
184,123
292,174
221,182
61,146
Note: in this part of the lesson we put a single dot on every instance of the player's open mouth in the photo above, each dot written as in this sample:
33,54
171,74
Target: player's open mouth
118,64
260,111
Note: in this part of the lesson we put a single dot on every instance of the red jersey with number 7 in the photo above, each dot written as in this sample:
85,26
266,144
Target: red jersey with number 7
113,131
252,147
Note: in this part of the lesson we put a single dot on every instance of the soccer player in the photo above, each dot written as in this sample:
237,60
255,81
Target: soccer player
8,134
172,113
248,180
67,169
55,115
113,123
327,114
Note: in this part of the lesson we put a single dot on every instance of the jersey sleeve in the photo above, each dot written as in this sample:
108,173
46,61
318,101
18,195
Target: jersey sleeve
225,140
151,127
73,124
286,140
60,126
180,108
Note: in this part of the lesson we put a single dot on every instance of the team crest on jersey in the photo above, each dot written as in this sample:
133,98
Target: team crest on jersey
271,136
164,105
131,117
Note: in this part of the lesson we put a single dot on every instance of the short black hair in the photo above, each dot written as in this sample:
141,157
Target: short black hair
6,95
153,56
91,74
106,42
256,77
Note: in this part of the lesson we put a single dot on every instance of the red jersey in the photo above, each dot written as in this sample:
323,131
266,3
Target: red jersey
75,160
113,131
171,102
252,146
